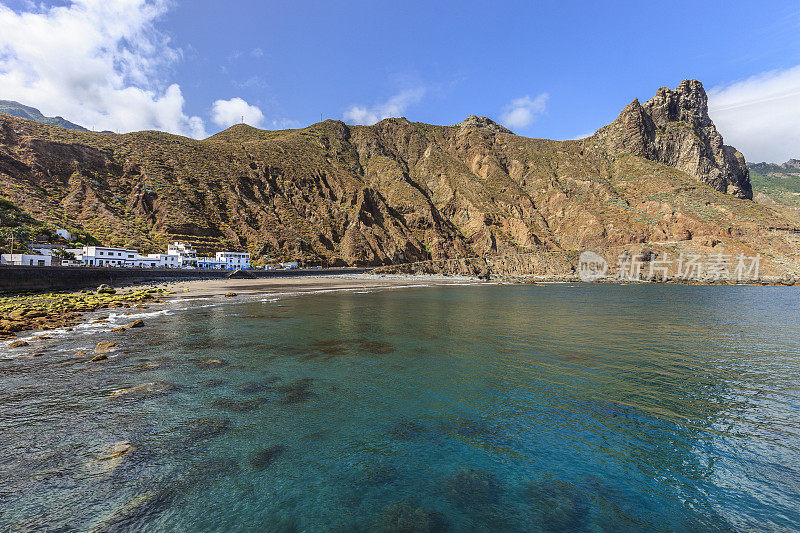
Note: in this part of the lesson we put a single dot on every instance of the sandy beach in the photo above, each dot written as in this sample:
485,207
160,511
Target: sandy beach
302,284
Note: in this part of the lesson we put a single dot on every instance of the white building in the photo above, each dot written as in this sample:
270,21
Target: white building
102,256
187,254
143,262
45,249
166,260
25,259
234,260
64,234
210,263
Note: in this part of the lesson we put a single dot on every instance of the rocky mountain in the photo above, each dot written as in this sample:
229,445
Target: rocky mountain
15,109
674,128
398,191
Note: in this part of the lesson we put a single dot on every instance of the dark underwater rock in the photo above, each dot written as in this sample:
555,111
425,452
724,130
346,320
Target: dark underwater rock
296,391
299,396
264,458
408,430
203,428
238,406
473,488
211,383
375,475
253,387
377,347
559,506
408,516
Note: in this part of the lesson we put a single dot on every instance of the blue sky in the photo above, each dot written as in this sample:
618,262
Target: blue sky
546,69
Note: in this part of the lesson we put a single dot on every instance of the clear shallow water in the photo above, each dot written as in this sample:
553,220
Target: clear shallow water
563,408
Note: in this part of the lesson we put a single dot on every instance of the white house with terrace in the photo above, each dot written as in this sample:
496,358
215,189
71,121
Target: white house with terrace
234,260
107,256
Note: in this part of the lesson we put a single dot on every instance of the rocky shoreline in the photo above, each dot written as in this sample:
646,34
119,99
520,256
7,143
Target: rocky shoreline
47,311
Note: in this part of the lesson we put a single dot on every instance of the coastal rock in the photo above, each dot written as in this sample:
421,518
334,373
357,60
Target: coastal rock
98,357
17,344
230,294
156,388
106,289
111,459
136,512
138,323
210,362
104,347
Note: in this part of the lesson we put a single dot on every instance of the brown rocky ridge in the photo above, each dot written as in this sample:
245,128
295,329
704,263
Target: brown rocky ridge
403,192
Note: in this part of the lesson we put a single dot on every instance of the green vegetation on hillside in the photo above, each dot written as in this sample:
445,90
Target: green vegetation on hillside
26,228
781,183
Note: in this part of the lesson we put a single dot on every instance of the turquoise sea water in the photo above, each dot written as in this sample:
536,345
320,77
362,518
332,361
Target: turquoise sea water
474,408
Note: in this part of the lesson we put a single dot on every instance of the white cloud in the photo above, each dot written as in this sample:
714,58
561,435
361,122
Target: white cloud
99,63
226,113
257,52
285,124
523,112
760,116
581,136
393,107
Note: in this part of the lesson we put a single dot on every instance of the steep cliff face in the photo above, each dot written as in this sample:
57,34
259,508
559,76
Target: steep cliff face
674,128
394,192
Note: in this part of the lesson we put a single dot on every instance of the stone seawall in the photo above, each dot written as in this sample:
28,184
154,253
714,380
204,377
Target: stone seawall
33,278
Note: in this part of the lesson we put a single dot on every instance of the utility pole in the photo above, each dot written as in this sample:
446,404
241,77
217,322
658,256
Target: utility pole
12,244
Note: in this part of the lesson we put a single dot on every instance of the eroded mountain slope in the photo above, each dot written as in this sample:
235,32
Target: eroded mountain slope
397,191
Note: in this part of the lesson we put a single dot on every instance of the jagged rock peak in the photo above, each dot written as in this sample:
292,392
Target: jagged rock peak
792,164
475,122
673,128
687,103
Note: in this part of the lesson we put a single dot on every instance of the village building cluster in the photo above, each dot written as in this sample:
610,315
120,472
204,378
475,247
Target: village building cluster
179,255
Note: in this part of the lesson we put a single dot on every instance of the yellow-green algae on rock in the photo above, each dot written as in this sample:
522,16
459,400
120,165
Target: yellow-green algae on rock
61,309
